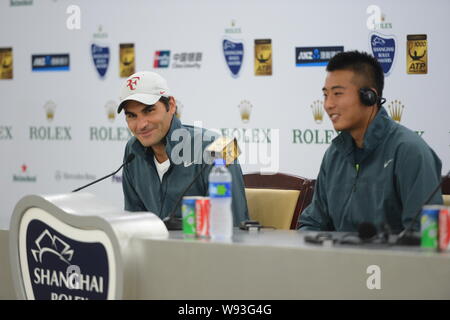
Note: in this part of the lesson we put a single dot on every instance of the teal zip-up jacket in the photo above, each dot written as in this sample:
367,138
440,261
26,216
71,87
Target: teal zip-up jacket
144,191
396,173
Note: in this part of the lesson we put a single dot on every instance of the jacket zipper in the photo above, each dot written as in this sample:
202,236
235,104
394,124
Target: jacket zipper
163,189
357,167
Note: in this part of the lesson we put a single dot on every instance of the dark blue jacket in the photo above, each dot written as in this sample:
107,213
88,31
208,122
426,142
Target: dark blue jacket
397,172
144,191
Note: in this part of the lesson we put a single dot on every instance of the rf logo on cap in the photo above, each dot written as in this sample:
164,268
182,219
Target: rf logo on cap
131,83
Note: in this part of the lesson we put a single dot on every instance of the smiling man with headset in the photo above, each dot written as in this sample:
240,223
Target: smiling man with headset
375,170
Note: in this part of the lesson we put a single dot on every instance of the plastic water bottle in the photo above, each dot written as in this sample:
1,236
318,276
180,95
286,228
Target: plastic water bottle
221,216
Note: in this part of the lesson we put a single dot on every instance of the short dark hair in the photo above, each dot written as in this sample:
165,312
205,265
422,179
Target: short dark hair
165,101
362,64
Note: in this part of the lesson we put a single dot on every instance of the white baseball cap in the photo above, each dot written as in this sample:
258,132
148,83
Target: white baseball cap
145,86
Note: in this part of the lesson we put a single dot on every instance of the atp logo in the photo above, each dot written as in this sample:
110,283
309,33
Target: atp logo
132,83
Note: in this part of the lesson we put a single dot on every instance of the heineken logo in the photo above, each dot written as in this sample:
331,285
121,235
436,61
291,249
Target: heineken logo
23,176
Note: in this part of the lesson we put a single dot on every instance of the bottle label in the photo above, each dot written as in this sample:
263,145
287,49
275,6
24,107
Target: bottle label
220,189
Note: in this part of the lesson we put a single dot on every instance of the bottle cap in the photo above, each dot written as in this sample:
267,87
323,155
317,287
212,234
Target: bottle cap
219,162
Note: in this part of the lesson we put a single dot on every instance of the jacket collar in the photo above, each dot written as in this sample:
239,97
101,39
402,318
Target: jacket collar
147,152
375,134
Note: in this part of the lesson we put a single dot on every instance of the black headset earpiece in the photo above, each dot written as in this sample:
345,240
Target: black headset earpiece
368,97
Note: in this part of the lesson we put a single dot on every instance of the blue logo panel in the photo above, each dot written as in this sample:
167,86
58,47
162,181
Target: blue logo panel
63,268
100,56
383,48
50,62
234,55
162,59
315,56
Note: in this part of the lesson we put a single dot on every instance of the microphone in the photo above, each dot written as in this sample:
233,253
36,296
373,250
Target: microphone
127,161
222,147
366,231
407,237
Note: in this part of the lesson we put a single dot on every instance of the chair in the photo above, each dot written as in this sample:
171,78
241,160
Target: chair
277,200
446,185
446,190
446,199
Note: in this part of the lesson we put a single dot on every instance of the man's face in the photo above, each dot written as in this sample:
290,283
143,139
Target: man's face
342,103
149,124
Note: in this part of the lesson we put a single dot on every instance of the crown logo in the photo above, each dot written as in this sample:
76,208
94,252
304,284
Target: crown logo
396,110
46,243
317,110
100,34
50,107
245,108
110,107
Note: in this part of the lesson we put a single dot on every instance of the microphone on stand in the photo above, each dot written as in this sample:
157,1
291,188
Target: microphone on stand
127,161
407,237
223,147
367,232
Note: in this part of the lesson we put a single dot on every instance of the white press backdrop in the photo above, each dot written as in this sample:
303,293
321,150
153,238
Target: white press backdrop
281,103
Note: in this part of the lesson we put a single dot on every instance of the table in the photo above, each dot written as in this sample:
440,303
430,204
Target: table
272,264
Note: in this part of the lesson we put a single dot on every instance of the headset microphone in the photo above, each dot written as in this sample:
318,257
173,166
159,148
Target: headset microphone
368,97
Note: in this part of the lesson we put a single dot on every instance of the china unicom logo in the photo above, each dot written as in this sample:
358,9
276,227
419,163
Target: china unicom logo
46,243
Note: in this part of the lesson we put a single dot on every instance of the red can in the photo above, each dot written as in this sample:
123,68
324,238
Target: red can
444,229
202,209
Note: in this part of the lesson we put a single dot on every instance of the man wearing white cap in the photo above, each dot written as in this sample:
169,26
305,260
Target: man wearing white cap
157,176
